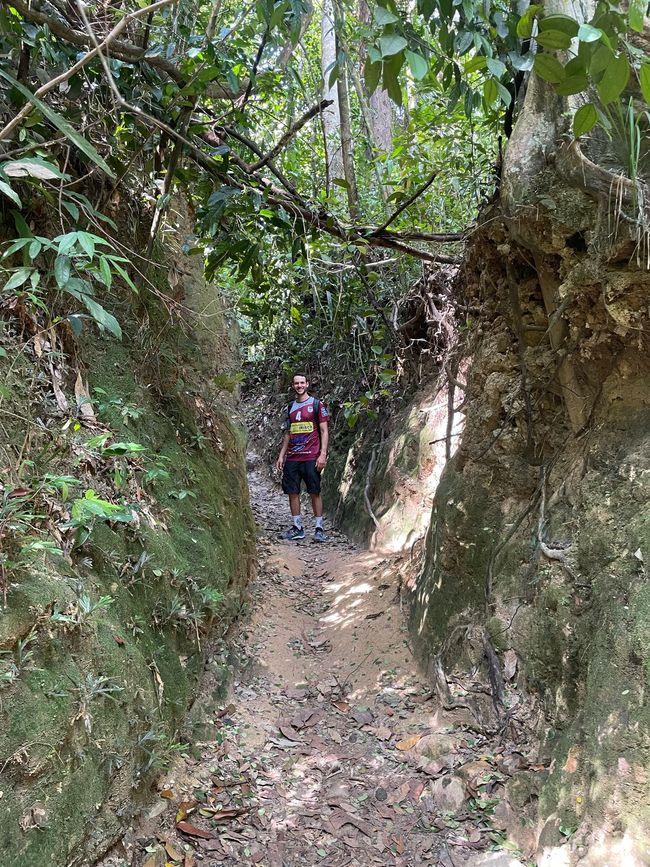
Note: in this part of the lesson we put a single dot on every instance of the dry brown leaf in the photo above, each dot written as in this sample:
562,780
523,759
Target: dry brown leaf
174,853
184,810
166,793
193,831
408,743
289,733
84,403
571,764
61,400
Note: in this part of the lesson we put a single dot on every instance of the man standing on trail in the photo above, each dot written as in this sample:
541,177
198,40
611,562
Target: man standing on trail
303,456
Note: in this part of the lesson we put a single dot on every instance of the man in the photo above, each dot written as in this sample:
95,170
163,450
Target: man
303,456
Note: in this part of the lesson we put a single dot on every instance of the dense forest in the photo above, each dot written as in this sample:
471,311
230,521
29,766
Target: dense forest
440,209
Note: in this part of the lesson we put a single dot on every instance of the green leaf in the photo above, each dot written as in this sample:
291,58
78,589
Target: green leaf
549,68
333,76
20,276
66,242
392,44
525,23
636,13
559,22
587,33
584,119
72,209
490,91
33,168
475,63
34,249
556,40
123,274
62,270
644,81
614,80
17,245
371,75
572,84
417,64
87,242
496,67
504,94
123,449
103,317
601,59
105,271
10,194
390,77
61,124
383,16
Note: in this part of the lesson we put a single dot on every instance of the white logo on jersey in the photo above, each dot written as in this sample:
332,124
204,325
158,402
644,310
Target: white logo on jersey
310,409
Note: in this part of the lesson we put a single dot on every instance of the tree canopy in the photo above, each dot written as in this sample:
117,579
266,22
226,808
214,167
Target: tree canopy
326,150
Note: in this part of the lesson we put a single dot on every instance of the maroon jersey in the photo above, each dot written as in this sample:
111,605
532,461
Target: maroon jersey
304,438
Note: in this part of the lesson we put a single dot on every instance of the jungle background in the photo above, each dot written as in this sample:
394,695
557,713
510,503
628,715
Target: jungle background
440,210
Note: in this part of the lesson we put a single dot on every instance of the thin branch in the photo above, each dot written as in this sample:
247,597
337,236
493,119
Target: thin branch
256,63
425,186
289,134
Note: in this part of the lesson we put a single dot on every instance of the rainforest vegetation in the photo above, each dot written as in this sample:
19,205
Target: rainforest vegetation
370,189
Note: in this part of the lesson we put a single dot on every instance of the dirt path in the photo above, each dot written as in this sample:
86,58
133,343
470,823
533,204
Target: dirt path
329,749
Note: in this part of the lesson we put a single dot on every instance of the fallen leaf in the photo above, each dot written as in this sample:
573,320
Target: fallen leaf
193,831
166,793
289,732
408,743
509,664
184,810
571,764
84,404
343,706
118,640
174,853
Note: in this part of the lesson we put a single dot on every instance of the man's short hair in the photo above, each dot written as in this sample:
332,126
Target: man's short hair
299,373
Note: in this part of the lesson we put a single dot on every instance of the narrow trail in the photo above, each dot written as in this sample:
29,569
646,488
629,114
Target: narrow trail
330,749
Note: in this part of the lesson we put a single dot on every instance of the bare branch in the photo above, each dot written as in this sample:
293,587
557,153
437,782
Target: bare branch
425,186
296,127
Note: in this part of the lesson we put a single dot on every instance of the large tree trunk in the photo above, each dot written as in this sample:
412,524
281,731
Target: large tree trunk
539,533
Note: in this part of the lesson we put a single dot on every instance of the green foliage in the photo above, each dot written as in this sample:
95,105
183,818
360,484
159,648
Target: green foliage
74,263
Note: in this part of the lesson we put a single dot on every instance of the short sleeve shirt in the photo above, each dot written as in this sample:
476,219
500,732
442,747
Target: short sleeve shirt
304,438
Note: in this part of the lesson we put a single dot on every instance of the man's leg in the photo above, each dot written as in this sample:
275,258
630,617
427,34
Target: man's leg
294,506
313,487
291,486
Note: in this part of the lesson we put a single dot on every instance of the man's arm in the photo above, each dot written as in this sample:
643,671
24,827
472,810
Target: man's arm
324,442
279,464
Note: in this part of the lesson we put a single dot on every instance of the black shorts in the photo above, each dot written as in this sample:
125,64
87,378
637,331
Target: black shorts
296,472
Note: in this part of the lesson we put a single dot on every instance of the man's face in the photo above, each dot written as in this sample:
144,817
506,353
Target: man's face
300,385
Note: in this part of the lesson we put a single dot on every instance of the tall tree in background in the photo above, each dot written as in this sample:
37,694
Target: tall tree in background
331,115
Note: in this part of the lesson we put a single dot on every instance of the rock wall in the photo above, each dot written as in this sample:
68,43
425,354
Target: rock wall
103,643
539,538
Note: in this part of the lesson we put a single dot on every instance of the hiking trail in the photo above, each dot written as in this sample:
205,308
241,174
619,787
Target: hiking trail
330,749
